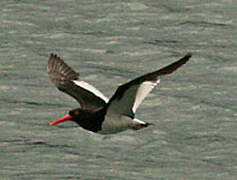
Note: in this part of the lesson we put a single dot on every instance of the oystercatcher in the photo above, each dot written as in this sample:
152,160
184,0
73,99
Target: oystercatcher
97,113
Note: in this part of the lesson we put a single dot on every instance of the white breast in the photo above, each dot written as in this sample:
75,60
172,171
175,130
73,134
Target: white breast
114,124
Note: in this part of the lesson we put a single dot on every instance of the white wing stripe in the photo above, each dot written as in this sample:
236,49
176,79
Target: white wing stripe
139,121
142,92
91,88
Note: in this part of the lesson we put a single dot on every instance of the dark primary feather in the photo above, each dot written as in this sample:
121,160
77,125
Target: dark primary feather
62,76
59,72
152,77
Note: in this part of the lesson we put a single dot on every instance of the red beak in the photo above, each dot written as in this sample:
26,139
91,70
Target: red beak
64,118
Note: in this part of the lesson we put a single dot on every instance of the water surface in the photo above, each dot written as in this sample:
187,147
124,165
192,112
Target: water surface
108,42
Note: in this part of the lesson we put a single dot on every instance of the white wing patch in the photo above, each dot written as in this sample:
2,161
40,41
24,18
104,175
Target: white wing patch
138,121
132,98
142,92
91,88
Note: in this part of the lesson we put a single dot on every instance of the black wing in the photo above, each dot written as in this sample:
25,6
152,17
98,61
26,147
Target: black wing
67,80
129,96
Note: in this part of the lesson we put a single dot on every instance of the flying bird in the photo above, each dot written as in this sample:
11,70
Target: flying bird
97,113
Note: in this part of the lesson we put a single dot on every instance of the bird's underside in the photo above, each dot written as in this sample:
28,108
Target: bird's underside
115,114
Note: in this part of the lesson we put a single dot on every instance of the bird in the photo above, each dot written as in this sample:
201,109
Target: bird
97,113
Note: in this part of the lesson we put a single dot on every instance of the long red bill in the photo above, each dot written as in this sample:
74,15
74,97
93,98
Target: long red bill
64,118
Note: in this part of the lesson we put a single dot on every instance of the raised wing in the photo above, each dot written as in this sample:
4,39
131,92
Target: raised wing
67,80
129,96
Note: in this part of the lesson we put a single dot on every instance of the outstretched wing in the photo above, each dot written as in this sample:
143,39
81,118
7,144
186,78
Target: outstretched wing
67,80
129,96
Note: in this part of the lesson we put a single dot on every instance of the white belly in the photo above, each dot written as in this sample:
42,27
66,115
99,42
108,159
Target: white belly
115,124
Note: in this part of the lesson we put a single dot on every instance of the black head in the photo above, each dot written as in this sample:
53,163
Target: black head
90,120
74,115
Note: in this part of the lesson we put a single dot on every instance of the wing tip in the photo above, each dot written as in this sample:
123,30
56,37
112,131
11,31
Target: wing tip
52,55
188,55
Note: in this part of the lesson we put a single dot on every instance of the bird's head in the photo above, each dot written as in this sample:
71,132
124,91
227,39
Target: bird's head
73,115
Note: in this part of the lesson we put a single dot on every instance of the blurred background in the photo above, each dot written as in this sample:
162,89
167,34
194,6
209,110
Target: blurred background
109,42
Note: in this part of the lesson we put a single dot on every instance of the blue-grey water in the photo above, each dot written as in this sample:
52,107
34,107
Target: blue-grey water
108,42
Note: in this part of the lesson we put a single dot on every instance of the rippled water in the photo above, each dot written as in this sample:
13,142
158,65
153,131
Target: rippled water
194,110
